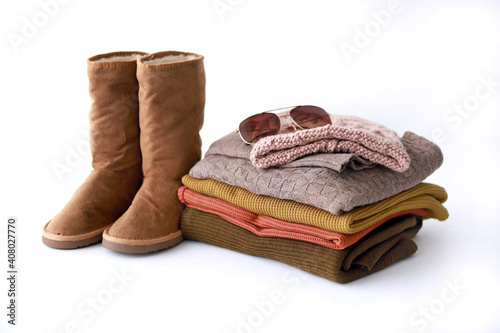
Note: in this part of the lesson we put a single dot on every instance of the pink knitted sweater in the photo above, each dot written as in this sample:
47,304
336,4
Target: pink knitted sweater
347,134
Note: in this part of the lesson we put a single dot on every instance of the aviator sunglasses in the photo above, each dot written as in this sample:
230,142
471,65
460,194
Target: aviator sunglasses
269,123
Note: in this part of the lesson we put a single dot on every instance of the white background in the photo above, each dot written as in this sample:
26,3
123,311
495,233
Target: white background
259,55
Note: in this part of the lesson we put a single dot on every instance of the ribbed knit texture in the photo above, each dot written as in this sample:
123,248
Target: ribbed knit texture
232,145
321,187
424,195
380,248
346,134
266,226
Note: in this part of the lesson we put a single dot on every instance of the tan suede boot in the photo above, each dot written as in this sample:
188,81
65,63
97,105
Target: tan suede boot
171,103
116,157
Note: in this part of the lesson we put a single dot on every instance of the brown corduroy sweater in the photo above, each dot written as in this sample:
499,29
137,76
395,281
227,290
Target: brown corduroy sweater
380,248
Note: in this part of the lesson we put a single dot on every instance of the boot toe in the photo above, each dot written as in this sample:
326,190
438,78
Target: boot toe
117,243
62,239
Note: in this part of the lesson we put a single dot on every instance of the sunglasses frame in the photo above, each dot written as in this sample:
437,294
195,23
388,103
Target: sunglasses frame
280,115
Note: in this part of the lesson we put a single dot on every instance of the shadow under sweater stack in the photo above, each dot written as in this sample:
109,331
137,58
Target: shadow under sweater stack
340,201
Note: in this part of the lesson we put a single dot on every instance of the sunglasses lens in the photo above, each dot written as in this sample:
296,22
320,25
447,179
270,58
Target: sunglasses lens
259,126
309,116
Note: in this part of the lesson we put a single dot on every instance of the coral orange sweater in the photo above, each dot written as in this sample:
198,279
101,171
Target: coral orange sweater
266,226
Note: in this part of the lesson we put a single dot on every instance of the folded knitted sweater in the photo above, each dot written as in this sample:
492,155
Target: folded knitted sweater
315,181
380,248
266,226
232,146
428,196
347,134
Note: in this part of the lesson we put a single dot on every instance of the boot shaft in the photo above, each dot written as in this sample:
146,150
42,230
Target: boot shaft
114,112
172,99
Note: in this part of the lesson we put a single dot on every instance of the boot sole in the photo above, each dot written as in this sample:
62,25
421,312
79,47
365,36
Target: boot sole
73,241
140,245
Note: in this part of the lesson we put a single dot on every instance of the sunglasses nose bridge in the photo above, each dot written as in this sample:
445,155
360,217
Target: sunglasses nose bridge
286,122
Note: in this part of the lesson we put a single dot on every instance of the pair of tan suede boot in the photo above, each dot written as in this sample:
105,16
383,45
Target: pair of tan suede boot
145,118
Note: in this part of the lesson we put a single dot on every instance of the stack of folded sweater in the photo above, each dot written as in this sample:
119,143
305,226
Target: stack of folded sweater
340,201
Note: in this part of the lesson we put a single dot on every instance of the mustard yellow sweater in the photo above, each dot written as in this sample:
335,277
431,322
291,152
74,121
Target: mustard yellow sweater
424,195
